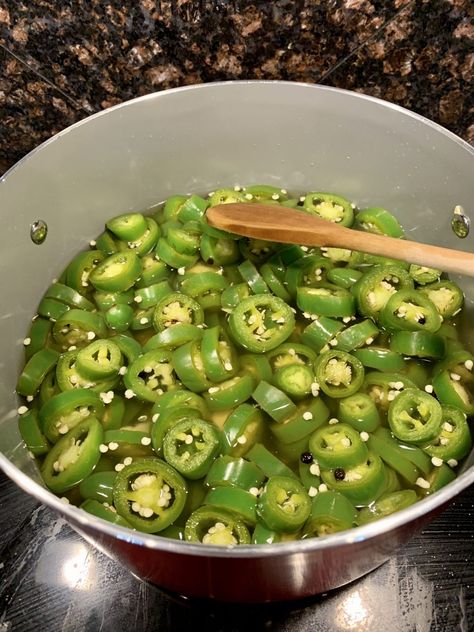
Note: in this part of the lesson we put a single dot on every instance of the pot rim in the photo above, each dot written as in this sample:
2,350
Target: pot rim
155,541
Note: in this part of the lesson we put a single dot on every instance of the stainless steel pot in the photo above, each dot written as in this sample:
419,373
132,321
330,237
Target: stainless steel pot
195,139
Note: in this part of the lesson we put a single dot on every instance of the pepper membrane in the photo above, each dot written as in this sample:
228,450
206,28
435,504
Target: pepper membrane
186,382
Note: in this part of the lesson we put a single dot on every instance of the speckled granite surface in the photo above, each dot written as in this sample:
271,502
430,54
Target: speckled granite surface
61,61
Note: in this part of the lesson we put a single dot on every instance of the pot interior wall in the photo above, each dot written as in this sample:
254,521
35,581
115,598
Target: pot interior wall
200,138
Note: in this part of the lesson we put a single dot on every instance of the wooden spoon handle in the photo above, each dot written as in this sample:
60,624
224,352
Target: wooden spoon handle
289,226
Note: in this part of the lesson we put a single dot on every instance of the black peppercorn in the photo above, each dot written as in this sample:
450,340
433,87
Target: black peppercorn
339,474
306,457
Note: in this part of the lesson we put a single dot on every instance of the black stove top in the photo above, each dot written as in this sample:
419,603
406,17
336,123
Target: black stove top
51,579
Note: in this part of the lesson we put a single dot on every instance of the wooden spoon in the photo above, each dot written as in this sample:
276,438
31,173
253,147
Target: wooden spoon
289,226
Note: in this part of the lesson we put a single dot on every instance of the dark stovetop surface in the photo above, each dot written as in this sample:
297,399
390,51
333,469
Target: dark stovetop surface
59,62
51,579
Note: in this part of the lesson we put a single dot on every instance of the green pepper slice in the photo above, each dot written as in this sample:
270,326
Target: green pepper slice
415,416
339,374
243,428
387,504
77,274
173,337
237,501
263,535
268,462
78,328
423,275
98,486
251,275
330,207
175,399
337,446
344,277
384,387
205,287
129,347
289,354
69,296
182,240
128,443
174,259
106,300
361,483
144,244
331,512
151,375
277,287
149,494
437,479
211,525
256,250
411,453
261,323
454,440
380,221
106,243
360,412
52,309
309,472
309,415
447,296
420,344
233,295
307,271
192,209
188,364
388,450
66,410
234,472
326,300
114,413
376,286
219,250
150,295
218,355
357,335
127,227
168,418
153,271
230,393
190,446
454,388
176,308
261,192
380,358
319,334
100,360
295,379
38,336
119,317
73,457
35,370
258,366
284,504
273,401
104,511
31,433
171,208
116,273
410,310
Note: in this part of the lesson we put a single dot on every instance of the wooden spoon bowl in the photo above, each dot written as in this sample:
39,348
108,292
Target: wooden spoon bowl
290,226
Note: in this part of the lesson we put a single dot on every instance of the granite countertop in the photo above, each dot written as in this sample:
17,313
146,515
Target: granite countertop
60,62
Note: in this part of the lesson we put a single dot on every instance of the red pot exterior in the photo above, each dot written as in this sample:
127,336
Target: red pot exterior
257,579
